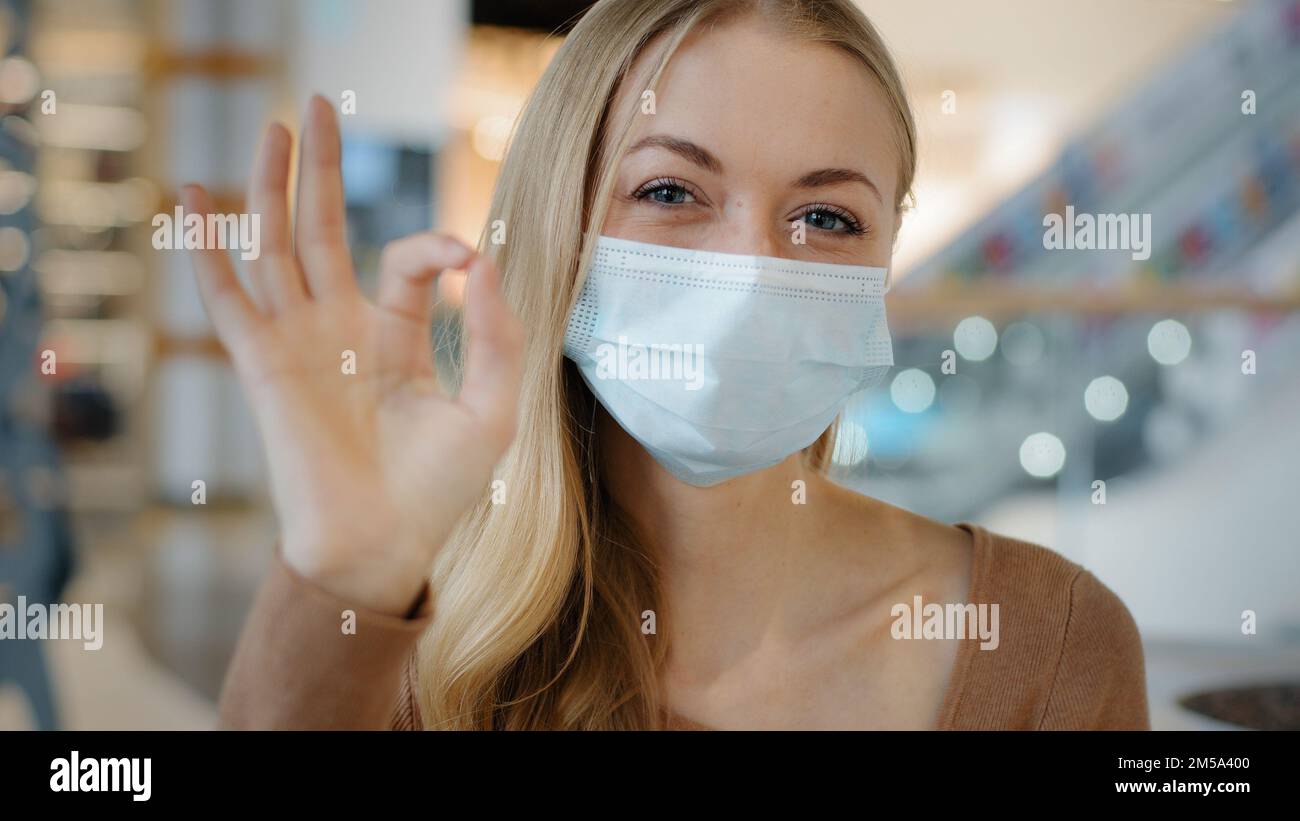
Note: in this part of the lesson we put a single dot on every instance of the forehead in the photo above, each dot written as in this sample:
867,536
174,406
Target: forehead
763,100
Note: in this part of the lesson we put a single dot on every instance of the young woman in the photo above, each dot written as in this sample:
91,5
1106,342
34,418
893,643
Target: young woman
553,547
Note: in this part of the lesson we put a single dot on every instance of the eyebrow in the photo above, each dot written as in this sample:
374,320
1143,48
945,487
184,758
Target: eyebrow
700,156
830,176
683,148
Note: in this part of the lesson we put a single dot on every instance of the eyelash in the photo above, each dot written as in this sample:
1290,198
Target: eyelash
658,184
854,227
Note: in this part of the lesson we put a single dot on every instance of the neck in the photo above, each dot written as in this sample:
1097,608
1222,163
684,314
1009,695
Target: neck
736,561
734,529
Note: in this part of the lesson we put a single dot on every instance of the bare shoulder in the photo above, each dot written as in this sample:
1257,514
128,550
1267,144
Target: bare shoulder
1042,591
908,537
1064,650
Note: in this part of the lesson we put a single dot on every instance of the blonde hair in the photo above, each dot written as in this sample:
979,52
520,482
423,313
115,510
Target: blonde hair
539,600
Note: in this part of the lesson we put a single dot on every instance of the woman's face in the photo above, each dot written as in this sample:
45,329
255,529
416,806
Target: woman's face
751,132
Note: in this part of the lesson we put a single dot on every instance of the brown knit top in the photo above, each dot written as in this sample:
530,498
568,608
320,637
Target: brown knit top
1068,657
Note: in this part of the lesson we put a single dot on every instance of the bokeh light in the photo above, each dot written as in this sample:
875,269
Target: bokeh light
912,390
1023,344
1169,342
1105,398
975,338
1042,455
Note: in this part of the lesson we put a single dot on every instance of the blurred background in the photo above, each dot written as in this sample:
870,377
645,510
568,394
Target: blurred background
1139,417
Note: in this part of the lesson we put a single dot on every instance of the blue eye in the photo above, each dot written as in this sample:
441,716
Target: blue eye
669,194
664,192
833,219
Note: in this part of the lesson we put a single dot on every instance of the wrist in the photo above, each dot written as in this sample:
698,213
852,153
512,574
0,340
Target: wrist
370,583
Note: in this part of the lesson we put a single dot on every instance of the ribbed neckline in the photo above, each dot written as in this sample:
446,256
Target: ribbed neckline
958,677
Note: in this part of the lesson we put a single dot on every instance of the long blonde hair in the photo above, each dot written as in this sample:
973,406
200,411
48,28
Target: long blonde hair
539,600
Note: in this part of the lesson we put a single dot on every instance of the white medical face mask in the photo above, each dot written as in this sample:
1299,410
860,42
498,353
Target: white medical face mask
724,364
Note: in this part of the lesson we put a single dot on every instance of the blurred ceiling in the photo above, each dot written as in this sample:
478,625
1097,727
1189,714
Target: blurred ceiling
1026,74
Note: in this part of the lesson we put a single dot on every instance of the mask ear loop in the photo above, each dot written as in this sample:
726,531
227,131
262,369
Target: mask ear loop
889,279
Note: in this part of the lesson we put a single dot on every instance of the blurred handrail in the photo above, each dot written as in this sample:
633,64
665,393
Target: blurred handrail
943,302
221,63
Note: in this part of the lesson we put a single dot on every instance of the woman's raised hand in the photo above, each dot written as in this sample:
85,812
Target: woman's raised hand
371,464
